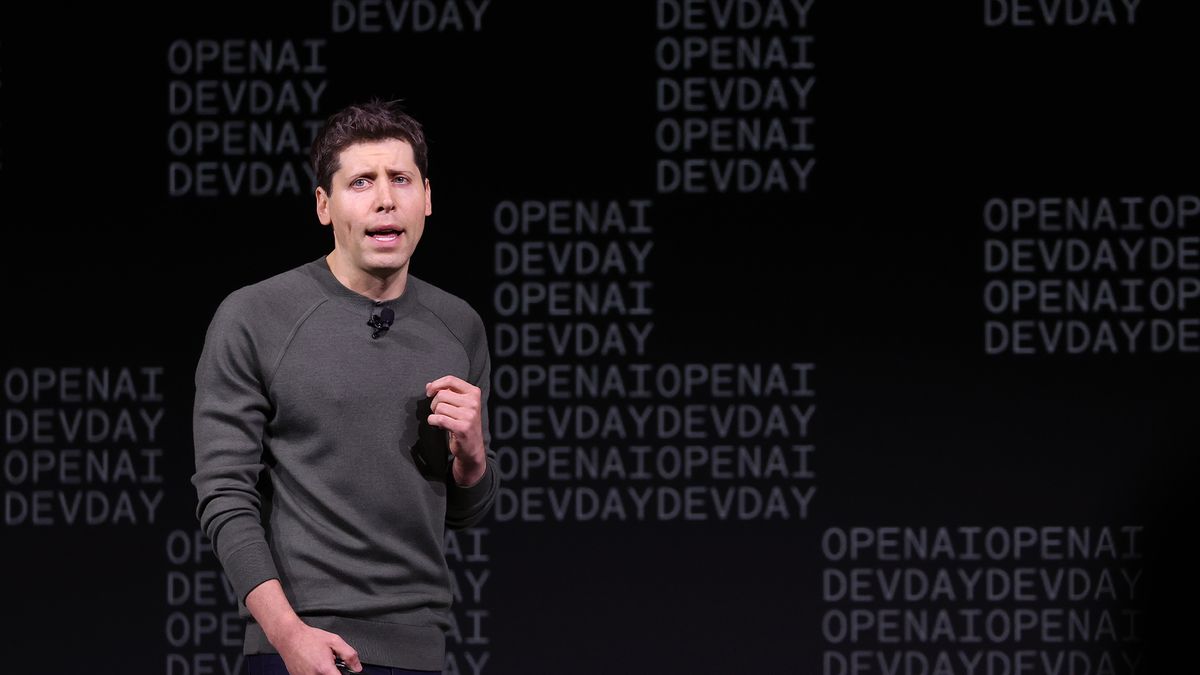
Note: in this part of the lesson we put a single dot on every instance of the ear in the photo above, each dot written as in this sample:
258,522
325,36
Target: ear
323,206
428,199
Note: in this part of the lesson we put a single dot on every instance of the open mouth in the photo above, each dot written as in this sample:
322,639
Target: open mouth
385,234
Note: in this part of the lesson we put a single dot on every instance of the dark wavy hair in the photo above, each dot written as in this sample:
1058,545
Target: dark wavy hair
375,120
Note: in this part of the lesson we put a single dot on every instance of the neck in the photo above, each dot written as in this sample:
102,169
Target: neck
388,286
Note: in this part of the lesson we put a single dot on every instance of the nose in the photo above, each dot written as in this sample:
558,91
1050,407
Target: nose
383,195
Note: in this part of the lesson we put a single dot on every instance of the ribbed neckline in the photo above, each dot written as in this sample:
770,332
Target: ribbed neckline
319,270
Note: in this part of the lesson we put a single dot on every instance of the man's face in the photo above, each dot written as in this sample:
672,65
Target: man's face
377,205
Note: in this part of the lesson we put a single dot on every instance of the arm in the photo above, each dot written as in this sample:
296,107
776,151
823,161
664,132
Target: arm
228,418
230,413
304,649
460,407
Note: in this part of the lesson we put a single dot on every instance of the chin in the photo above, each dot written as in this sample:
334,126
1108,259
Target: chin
385,265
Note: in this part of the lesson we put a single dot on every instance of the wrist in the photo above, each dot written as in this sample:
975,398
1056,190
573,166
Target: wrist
467,473
283,629
270,608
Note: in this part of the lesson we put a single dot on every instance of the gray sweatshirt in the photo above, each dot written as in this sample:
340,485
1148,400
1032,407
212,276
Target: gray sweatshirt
292,385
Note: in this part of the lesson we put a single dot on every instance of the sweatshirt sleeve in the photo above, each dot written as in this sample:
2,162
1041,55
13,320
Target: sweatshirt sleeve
467,506
230,412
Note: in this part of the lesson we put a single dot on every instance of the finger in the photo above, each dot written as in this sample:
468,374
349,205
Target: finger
453,424
459,402
346,653
448,382
448,409
466,417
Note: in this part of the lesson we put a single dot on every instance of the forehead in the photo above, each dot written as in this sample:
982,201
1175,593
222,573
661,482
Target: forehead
391,153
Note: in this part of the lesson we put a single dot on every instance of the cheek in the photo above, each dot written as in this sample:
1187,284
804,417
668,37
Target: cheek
413,238
348,218
345,230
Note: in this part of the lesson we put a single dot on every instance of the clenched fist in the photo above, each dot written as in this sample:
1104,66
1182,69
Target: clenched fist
457,408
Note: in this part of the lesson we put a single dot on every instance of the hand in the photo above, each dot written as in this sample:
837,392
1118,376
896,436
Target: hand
457,408
311,651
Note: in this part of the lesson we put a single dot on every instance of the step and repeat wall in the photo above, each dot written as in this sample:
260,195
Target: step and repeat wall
828,337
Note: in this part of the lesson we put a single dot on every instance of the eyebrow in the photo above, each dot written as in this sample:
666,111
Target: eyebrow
371,172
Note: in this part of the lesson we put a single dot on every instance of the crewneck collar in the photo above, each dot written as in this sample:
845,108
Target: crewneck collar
355,301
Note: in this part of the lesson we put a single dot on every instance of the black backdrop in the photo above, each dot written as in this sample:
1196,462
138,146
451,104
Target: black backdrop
931,271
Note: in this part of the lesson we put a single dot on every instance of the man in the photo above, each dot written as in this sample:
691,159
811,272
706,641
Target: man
345,382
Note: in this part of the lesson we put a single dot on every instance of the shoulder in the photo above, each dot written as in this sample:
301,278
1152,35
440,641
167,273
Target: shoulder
294,287
456,313
279,300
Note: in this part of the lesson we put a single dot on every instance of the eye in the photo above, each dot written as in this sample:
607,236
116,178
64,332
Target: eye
401,179
359,182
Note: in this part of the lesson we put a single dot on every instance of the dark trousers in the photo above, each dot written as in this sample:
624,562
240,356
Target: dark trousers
272,664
